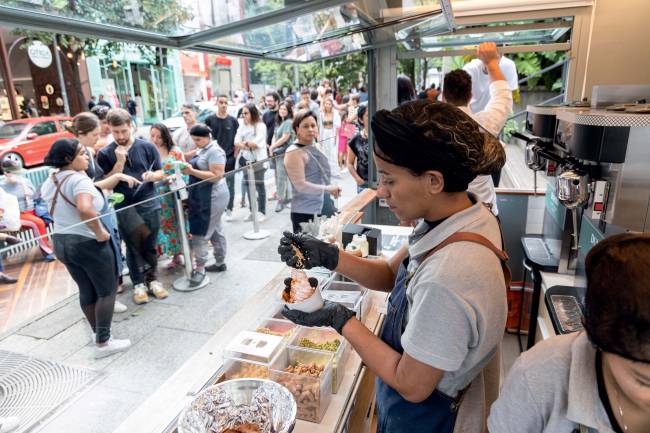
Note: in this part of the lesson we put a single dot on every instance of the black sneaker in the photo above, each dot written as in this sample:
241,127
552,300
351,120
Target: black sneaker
196,278
216,268
280,206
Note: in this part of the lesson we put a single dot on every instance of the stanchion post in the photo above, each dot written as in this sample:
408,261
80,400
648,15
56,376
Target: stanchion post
185,242
183,284
252,194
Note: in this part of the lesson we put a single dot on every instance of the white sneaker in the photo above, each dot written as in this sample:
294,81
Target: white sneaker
111,347
261,217
8,423
119,307
227,216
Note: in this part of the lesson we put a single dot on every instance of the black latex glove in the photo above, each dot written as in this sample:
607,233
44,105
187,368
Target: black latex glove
332,314
315,252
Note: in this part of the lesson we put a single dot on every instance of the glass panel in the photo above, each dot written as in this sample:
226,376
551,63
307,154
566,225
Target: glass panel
44,128
168,17
345,23
12,130
512,32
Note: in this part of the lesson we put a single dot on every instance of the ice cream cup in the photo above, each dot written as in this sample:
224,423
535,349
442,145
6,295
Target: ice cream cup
309,305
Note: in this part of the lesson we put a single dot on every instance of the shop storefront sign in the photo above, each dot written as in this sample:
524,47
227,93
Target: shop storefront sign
39,54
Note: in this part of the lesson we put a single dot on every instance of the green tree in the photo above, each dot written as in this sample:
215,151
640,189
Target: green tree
164,16
346,71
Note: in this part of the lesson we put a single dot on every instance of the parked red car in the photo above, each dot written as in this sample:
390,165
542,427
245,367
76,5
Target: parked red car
28,140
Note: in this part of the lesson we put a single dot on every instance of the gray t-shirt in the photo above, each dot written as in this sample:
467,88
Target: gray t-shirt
23,189
212,154
457,304
65,215
551,388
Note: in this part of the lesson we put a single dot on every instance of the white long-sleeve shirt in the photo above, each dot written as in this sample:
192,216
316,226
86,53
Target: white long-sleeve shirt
493,118
255,133
481,81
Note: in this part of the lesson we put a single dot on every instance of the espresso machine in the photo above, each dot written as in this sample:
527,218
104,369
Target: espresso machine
601,186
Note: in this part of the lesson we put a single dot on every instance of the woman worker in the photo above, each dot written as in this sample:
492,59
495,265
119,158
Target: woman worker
598,380
445,320
208,197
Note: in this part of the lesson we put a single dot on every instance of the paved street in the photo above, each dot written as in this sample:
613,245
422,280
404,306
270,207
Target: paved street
164,333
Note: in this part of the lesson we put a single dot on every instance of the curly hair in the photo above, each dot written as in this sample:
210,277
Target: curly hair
423,135
617,303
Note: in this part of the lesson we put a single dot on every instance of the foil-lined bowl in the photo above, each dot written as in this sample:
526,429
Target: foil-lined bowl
240,401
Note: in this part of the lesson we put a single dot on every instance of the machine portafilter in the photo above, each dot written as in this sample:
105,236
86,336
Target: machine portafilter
573,192
536,155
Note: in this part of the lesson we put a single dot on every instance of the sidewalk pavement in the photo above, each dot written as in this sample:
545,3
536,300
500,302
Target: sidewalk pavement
163,333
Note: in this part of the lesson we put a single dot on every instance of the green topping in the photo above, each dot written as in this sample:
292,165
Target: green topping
331,346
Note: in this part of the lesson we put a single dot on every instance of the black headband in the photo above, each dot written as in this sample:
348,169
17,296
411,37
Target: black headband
402,143
200,131
62,152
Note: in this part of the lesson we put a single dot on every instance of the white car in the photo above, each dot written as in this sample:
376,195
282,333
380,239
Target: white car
176,121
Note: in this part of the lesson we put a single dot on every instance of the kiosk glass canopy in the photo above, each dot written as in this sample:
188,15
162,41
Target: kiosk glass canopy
289,30
335,30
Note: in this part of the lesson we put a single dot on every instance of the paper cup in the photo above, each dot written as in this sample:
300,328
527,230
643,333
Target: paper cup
309,305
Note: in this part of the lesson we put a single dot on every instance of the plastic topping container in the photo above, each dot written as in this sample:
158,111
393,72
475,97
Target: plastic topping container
253,346
307,374
234,368
277,327
350,295
324,340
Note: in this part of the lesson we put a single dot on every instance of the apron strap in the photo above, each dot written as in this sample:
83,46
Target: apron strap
481,240
58,192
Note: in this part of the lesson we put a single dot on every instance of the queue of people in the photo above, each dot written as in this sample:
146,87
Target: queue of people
436,162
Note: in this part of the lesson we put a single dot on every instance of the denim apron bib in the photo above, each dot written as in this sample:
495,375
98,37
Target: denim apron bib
436,414
200,198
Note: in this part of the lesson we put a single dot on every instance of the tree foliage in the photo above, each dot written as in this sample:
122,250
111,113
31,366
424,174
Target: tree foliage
164,16
346,71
